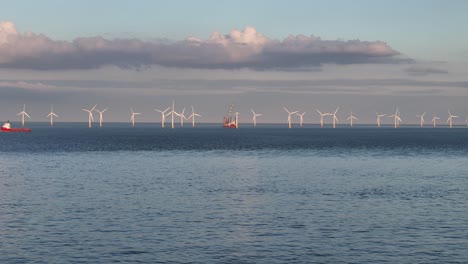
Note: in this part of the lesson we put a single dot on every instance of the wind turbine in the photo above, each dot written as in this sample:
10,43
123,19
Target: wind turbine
51,115
100,116
421,118
90,115
378,118
172,112
182,117
335,119
289,116
301,118
193,115
450,118
237,119
132,119
254,119
163,116
23,113
397,118
434,120
321,117
351,117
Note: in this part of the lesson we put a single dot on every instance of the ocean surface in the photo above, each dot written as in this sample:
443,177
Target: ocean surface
69,194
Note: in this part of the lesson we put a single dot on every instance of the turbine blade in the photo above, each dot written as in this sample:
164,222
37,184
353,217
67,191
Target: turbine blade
27,114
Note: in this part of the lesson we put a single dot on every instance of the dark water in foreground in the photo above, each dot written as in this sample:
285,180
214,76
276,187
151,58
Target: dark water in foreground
69,194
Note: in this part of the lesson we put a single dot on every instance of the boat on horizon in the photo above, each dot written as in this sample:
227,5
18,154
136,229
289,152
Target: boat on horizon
231,121
7,128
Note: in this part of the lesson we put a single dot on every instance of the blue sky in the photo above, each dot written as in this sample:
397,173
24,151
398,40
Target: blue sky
436,25
431,34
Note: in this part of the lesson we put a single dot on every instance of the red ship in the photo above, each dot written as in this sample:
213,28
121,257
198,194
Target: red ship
7,128
231,119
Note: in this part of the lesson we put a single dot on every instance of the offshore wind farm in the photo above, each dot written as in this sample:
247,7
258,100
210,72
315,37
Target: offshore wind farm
318,120
233,132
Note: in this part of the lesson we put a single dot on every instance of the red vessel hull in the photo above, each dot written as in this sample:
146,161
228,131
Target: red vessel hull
229,126
16,129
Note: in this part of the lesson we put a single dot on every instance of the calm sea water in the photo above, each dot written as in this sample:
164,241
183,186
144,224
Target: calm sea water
69,194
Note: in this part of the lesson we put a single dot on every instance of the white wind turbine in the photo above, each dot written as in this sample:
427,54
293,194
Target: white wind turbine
132,119
193,115
397,118
163,116
23,113
172,113
51,115
434,119
289,116
351,117
100,116
254,119
321,117
90,115
421,117
449,120
378,118
335,119
182,117
301,118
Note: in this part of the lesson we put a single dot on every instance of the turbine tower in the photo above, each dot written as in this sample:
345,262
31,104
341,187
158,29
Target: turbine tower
378,118
100,116
132,119
172,113
321,117
193,115
289,116
335,119
434,120
351,117
301,118
397,118
254,119
23,113
163,116
182,117
450,118
51,115
90,115
421,117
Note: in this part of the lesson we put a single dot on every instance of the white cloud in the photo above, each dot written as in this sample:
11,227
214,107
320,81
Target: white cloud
240,49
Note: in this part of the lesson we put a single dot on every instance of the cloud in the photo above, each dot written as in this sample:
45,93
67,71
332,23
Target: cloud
423,71
27,85
238,49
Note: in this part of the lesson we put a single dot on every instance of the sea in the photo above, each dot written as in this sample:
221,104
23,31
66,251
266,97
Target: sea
265,194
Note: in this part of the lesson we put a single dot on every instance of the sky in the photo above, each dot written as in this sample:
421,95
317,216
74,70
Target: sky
361,56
